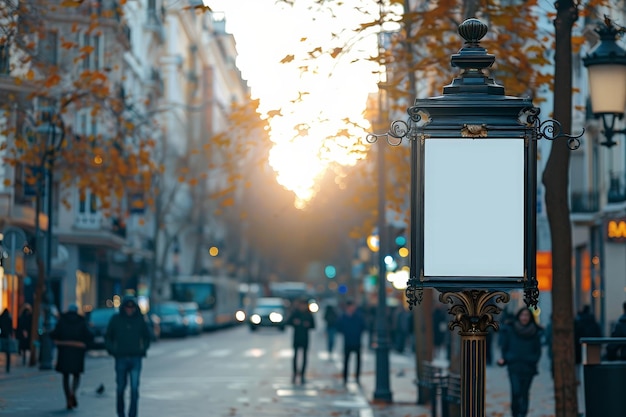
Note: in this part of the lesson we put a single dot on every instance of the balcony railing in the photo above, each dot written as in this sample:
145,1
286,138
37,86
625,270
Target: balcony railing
617,193
585,202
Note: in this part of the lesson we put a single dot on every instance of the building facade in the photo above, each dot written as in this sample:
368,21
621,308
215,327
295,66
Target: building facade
170,77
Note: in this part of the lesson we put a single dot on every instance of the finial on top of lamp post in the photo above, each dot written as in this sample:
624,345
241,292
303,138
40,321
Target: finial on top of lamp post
472,59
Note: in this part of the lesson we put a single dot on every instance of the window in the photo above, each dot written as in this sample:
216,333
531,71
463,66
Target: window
89,204
93,56
5,66
48,48
86,124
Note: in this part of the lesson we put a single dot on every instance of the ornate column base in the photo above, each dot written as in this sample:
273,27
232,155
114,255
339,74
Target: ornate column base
473,312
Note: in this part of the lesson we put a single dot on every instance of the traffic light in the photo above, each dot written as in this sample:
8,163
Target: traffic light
401,243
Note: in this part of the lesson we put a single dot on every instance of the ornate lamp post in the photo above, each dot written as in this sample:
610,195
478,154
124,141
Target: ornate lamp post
473,192
53,134
606,64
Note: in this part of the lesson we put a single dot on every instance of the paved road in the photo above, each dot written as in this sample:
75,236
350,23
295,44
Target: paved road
235,373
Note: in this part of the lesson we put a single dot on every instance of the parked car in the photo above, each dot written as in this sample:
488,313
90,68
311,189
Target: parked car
268,312
194,318
172,319
98,320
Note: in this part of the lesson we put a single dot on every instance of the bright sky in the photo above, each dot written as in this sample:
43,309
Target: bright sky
337,89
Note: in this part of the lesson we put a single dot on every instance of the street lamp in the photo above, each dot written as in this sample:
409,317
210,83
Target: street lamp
473,201
54,136
606,64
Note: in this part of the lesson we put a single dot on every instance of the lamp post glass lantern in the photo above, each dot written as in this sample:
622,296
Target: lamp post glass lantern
606,65
473,201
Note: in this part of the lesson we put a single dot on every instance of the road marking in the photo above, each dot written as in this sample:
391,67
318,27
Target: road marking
185,353
254,353
219,353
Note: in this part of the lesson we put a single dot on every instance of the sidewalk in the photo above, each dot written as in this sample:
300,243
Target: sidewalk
17,369
404,390
325,377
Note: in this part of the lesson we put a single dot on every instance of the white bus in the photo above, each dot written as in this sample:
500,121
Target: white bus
217,298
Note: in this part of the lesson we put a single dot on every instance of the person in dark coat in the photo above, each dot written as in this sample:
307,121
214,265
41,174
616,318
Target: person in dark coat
352,325
127,339
615,352
24,328
71,336
520,343
585,325
6,334
330,317
302,321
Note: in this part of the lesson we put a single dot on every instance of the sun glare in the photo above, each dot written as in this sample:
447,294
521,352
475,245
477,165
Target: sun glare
321,100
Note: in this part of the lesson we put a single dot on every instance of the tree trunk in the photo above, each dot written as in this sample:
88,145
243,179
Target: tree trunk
555,180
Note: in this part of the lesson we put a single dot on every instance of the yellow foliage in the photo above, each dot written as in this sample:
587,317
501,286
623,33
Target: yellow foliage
70,3
30,75
228,202
52,80
86,50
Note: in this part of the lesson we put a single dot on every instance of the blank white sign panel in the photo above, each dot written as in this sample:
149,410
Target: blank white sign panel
474,207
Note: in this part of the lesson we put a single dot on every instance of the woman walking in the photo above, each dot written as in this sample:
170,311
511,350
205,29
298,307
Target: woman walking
71,335
6,336
520,342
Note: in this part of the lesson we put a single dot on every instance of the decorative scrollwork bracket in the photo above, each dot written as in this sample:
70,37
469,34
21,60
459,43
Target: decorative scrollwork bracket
474,310
550,129
399,129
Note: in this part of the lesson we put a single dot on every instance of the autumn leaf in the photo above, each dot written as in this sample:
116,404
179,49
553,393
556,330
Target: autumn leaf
52,80
71,3
229,202
86,50
274,113
335,53
287,59
68,45
30,75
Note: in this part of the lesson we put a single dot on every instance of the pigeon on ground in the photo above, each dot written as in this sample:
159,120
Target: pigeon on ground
100,389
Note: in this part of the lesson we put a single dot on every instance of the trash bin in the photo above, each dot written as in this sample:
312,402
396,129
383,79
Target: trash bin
604,381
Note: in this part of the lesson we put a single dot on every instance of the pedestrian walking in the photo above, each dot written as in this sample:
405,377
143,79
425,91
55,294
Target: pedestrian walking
585,325
71,336
302,321
330,317
24,328
6,336
127,339
520,342
615,352
400,328
352,325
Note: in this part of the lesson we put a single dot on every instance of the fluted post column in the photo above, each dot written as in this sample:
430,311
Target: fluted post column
473,312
